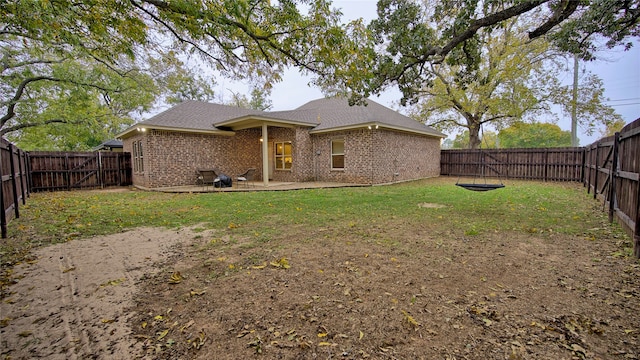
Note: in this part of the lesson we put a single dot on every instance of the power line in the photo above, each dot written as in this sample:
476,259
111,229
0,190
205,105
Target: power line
629,104
637,98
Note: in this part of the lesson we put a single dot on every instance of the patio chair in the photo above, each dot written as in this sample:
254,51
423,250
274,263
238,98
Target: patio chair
246,177
207,177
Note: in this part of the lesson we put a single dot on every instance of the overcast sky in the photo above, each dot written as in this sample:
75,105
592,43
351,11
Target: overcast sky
620,74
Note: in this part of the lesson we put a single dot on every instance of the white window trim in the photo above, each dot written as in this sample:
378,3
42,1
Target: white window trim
333,154
276,156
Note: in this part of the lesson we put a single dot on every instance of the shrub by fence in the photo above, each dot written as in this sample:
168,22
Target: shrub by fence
14,187
52,171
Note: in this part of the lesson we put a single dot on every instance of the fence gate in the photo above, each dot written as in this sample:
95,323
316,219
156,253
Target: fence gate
51,171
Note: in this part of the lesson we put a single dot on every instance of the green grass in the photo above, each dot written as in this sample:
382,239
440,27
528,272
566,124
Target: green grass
530,207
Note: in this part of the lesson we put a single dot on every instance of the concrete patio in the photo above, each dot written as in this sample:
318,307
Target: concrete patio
253,186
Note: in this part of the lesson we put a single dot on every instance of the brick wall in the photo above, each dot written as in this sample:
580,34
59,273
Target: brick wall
171,158
371,156
378,156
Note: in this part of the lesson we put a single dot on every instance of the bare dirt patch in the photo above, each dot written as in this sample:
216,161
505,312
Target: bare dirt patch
73,301
351,295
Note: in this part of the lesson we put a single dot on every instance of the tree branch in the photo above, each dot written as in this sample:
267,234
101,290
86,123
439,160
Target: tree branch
11,104
172,30
492,19
563,11
21,126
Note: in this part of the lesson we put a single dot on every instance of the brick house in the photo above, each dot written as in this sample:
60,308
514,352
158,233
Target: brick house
323,140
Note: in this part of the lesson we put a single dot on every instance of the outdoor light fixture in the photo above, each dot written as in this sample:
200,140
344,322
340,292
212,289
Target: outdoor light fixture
141,129
369,127
376,126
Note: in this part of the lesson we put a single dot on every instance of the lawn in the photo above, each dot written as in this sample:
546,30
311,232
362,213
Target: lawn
416,270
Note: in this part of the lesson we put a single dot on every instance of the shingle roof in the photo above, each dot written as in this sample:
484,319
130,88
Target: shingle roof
197,115
322,115
335,113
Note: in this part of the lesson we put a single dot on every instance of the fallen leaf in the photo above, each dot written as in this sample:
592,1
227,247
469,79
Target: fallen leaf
25,333
107,321
162,334
243,333
578,349
361,335
198,341
5,322
176,278
113,282
68,269
322,335
281,263
187,325
410,320
197,292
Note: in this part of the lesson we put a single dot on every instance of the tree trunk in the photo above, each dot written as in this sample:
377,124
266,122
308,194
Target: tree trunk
474,134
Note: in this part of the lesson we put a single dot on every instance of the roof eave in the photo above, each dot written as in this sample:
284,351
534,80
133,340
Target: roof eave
375,125
143,128
249,120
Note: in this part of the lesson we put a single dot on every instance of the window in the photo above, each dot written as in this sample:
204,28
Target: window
283,156
138,164
141,165
135,156
337,154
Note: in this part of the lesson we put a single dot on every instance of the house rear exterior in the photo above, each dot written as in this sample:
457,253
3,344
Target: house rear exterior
324,140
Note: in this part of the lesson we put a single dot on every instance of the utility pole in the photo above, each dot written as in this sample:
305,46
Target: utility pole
574,104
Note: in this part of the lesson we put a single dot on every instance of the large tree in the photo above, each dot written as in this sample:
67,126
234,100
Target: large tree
407,40
512,78
66,55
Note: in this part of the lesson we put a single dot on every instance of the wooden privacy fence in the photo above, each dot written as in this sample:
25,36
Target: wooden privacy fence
14,188
53,171
549,164
612,171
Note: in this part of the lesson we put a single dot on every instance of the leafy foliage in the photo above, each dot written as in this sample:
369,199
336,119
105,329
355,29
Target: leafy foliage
496,88
259,100
97,64
410,35
534,135
591,107
613,127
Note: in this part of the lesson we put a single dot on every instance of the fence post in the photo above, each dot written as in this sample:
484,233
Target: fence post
14,185
119,171
595,178
636,231
3,213
613,174
546,164
21,159
100,177
582,168
27,159
67,171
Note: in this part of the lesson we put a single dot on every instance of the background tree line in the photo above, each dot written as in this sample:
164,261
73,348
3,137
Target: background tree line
73,73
